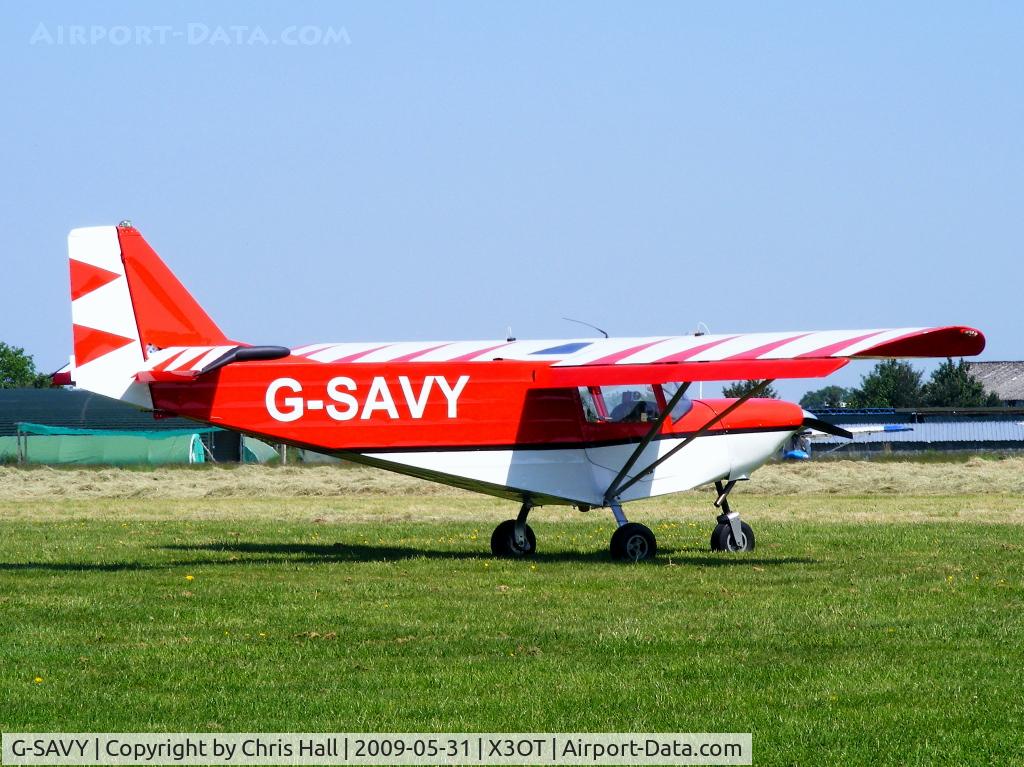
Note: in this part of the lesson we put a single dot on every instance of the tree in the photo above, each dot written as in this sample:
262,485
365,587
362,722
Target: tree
892,383
830,396
952,385
18,370
739,389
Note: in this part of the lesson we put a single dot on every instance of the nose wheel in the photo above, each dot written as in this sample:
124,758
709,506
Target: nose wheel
724,539
731,533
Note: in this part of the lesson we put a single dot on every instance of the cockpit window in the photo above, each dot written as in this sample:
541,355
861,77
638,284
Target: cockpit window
632,403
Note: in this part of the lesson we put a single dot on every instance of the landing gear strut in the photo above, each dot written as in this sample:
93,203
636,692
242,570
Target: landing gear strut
631,541
731,533
513,538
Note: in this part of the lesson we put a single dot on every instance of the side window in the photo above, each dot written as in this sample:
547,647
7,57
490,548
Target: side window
630,404
633,403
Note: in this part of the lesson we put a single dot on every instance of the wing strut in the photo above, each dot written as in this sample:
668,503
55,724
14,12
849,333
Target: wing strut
616,489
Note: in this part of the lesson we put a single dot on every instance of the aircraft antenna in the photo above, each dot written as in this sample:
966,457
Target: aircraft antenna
702,330
581,322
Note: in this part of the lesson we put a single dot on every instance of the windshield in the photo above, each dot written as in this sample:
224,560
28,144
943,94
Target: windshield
685,404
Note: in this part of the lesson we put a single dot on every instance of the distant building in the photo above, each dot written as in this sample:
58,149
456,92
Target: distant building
928,429
1004,379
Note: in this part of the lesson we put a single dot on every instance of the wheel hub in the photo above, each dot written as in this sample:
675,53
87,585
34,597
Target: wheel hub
636,548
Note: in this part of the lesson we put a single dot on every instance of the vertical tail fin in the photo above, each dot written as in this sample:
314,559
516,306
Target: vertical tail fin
166,312
125,303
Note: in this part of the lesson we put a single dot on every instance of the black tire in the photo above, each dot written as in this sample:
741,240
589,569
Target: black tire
722,538
633,542
503,541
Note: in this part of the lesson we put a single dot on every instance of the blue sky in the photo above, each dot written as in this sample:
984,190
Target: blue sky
447,170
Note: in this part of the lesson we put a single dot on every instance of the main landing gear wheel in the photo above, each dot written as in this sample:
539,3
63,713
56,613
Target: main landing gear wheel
505,545
633,542
722,539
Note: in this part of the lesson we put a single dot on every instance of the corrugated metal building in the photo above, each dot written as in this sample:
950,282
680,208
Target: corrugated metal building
933,435
975,429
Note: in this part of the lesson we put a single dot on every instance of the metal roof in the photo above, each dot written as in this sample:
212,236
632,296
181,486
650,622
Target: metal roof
77,409
1006,379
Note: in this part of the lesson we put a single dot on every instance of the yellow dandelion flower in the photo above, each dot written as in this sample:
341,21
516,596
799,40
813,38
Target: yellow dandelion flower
190,577
38,680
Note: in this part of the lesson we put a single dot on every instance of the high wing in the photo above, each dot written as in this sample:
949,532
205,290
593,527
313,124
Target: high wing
752,356
609,361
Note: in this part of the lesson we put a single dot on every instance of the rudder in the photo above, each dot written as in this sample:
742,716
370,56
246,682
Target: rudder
166,313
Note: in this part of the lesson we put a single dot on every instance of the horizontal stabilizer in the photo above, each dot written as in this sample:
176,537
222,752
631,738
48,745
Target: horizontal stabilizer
183,363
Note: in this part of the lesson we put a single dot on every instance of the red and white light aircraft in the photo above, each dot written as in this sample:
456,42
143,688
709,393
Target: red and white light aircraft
583,422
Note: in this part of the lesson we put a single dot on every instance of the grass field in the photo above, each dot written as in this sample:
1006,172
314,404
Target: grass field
879,621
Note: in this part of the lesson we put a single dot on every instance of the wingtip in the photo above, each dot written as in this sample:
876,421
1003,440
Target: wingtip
949,341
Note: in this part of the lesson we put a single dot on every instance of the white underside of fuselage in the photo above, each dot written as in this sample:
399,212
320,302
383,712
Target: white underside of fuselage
582,475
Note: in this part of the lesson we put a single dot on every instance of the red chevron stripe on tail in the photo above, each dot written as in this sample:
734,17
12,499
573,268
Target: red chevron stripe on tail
85,278
91,344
